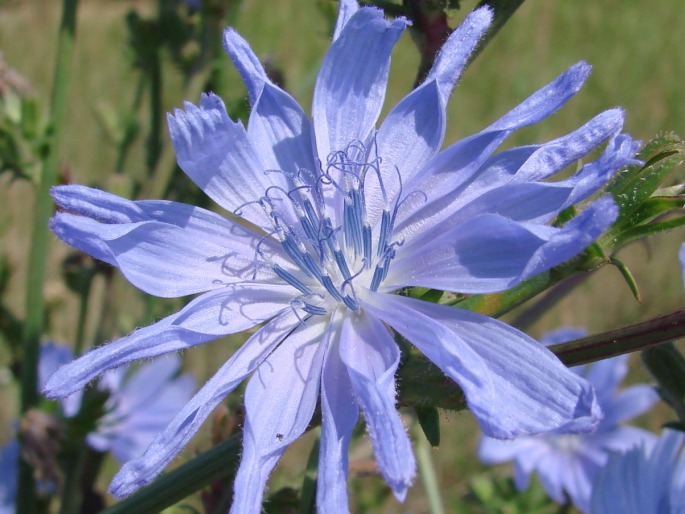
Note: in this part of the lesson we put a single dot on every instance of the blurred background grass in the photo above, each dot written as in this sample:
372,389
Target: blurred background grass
634,46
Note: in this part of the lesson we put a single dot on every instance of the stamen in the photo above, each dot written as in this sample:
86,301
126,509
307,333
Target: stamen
296,304
238,211
342,263
290,279
304,226
313,309
288,174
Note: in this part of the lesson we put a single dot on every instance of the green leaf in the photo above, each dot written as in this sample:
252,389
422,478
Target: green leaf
308,501
423,384
642,231
628,277
674,425
429,420
656,206
632,187
625,179
667,366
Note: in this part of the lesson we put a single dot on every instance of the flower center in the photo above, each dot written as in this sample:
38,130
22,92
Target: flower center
323,223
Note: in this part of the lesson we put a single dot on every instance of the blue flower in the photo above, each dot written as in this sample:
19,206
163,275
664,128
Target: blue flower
140,405
341,217
52,357
9,463
140,402
644,480
567,463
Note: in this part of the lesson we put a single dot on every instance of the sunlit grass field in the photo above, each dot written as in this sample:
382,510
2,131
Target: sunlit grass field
635,47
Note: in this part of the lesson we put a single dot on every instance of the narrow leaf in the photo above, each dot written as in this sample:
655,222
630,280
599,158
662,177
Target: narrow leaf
667,366
628,277
430,424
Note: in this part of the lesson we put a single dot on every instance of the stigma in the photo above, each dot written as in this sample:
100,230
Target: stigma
322,222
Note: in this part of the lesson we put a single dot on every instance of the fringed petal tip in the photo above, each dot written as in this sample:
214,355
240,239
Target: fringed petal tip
128,480
62,383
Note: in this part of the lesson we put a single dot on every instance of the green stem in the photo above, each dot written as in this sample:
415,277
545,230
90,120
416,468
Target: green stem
498,304
154,142
180,483
72,495
545,304
308,494
82,317
131,127
632,338
429,479
33,327
667,366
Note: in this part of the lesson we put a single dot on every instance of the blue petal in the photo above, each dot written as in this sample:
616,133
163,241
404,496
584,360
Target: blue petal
507,183
339,415
639,481
279,402
681,257
628,404
247,63
278,128
554,156
349,90
413,131
521,197
455,52
163,259
9,466
346,9
491,253
513,385
606,375
371,357
498,451
216,154
456,165
52,356
167,444
139,409
192,234
562,335
226,311
621,439
566,475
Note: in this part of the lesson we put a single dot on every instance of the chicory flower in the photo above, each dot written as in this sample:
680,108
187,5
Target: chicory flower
9,468
343,216
139,406
140,402
643,480
568,463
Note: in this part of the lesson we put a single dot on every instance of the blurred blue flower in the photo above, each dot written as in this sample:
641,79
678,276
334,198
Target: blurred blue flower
139,406
52,357
140,402
567,463
9,462
648,479
342,215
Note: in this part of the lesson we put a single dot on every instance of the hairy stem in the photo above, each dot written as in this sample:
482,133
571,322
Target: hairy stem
33,328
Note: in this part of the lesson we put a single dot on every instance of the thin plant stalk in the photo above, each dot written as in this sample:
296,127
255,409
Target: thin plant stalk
84,298
33,328
429,478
